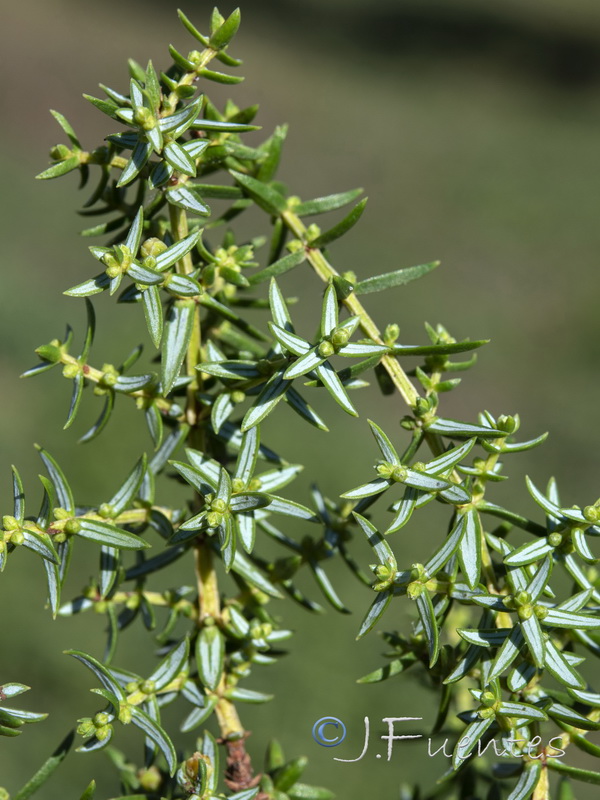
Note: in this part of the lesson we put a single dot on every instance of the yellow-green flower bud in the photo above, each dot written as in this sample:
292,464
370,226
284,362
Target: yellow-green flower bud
86,727
106,510
508,423
214,519
150,779
391,333
17,537
144,118
591,513
113,271
525,612
60,513
219,505
414,589
125,713
131,687
103,732
294,246
49,352
9,523
71,370
195,56
385,470
485,713
255,484
488,699
72,526
60,152
399,474
148,687
522,598
238,396
238,485
326,349
555,539
101,719
340,337
60,537
152,247
541,612
313,231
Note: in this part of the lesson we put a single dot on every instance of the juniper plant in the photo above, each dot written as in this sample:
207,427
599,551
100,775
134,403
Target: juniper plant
220,378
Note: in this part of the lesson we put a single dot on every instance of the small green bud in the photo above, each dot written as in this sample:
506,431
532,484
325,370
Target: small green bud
399,474
488,699
295,245
391,333
384,470
72,526
293,201
101,719
508,423
238,396
71,370
150,779
525,612
326,349
60,513
238,485
101,607
60,152
152,247
60,537
421,407
131,687
125,713
340,337
9,523
17,537
541,612
214,519
195,56
144,118
103,732
49,352
106,510
255,484
485,713
313,231
555,539
522,598
113,271
219,505
148,687
86,727
109,379
414,589
419,466
591,513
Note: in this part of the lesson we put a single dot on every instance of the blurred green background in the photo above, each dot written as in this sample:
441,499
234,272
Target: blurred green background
474,130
